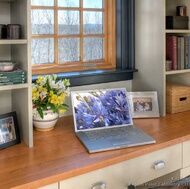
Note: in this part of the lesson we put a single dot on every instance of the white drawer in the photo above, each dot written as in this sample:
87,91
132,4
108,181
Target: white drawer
137,171
51,186
142,170
186,154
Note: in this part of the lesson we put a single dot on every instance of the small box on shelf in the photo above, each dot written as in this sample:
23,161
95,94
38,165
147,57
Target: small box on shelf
177,22
168,65
177,98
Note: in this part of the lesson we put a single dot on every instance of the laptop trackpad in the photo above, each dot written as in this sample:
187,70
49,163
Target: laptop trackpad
120,141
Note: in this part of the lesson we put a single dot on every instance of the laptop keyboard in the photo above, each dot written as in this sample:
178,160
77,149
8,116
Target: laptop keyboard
112,133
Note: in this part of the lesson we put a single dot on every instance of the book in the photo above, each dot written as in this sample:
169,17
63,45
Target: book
186,51
179,53
15,71
189,52
12,82
182,52
12,76
11,79
171,50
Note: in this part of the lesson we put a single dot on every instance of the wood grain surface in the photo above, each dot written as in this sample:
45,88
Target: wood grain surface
58,154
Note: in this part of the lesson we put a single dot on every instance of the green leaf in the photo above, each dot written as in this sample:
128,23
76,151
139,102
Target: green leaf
40,112
64,107
53,107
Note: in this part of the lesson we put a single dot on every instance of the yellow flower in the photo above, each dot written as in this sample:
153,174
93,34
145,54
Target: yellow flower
40,79
35,94
50,91
61,111
54,100
60,100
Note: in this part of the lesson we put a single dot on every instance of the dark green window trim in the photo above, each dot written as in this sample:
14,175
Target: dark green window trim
125,54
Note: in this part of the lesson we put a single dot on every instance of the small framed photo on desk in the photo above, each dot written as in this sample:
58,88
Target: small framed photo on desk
144,104
9,130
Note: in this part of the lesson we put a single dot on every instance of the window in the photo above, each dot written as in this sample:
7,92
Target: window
72,35
124,48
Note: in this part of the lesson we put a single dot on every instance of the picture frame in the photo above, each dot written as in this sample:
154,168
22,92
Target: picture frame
9,130
144,104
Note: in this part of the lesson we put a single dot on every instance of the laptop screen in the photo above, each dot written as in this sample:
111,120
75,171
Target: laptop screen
100,108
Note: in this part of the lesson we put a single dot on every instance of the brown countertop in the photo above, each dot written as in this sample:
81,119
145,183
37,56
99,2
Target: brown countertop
58,154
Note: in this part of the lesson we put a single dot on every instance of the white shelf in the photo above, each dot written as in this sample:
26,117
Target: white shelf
12,41
12,87
177,31
172,72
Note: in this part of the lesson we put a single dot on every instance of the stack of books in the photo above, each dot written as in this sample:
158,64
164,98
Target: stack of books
16,76
178,51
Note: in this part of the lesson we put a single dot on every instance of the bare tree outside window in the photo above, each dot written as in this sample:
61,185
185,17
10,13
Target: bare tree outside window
68,33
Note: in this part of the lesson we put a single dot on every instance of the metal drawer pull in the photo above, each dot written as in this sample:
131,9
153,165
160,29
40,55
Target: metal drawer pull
99,185
159,164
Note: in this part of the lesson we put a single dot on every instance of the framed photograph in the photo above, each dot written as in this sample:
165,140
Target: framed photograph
144,104
9,130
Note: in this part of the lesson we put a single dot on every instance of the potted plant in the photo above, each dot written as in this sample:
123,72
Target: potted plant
48,97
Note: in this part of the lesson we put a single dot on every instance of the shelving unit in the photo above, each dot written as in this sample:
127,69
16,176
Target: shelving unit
150,21
18,97
178,76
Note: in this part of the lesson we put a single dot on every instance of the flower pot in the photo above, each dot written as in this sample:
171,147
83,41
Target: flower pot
47,123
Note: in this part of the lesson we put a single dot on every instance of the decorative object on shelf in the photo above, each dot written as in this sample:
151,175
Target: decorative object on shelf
177,97
177,22
6,66
180,21
181,10
168,65
3,33
144,104
9,130
48,98
13,31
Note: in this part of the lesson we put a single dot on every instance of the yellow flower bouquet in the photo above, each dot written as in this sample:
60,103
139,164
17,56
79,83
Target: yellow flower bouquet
49,92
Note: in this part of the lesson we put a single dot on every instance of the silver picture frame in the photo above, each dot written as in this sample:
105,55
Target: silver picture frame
144,104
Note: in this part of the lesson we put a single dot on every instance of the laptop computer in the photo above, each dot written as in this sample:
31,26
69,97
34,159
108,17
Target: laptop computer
103,120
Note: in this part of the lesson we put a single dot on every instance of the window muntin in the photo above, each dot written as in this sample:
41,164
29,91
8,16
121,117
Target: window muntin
79,35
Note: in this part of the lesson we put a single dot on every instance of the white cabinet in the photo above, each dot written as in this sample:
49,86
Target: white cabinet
137,171
51,186
186,160
17,97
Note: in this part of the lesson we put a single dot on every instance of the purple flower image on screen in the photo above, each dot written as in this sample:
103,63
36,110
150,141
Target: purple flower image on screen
101,108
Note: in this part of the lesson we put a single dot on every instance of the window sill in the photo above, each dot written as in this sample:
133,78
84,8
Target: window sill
96,76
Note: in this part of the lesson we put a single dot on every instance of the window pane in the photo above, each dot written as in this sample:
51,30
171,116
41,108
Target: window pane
93,3
68,3
42,21
68,22
93,23
93,48
42,51
69,49
42,2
